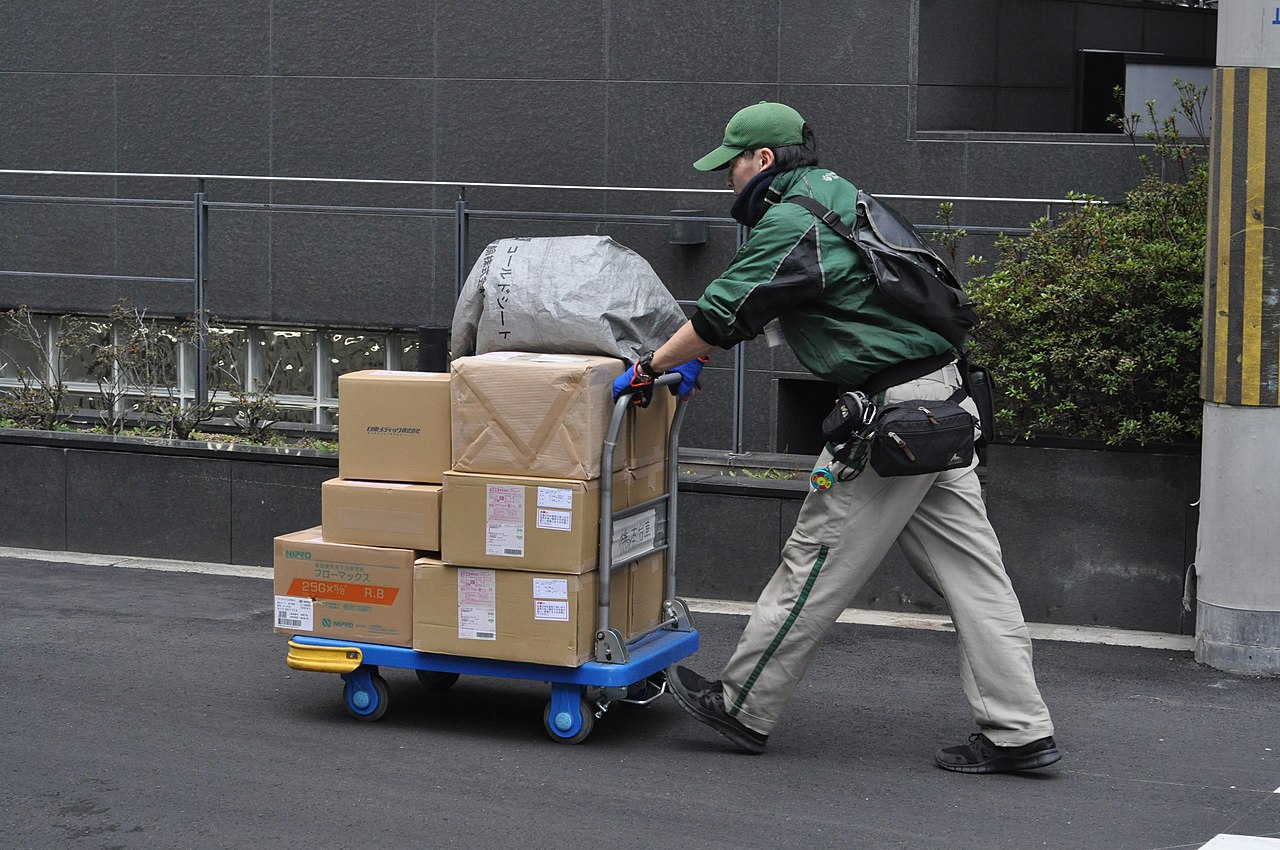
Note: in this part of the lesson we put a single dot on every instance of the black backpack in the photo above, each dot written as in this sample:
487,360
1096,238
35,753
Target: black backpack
904,267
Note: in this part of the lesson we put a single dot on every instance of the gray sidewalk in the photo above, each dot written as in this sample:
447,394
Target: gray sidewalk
154,709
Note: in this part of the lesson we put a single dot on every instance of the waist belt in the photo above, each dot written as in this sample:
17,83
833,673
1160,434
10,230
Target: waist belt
902,372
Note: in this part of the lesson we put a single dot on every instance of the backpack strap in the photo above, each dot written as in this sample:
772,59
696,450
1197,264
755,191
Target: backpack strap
902,372
828,216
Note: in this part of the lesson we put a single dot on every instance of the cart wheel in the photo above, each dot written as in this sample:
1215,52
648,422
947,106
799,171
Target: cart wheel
434,680
365,695
560,726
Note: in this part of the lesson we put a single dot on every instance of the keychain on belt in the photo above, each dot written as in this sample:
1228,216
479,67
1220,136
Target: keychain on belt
821,479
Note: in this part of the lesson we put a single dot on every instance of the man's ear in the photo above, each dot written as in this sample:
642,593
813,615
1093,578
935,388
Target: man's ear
767,159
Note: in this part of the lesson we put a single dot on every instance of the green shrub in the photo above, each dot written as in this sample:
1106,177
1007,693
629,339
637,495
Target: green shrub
1091,324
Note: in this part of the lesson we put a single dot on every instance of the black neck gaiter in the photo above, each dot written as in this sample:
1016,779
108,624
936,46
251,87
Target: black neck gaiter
749,208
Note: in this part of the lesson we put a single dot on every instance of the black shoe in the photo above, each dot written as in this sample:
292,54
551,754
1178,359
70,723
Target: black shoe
704,700
982,756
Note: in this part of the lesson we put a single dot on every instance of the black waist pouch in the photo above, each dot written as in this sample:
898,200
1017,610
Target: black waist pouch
920,436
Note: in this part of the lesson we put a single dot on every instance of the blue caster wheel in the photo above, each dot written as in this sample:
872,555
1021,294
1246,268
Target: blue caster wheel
365,694
563,727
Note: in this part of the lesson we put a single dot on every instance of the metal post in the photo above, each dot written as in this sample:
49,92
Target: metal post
460,241
740,378
201,270
1238,573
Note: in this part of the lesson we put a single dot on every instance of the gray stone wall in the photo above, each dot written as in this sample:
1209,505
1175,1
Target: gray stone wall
1089,537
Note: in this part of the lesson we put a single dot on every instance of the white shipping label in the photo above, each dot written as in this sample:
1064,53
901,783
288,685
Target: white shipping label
295,612
504,539
504,503
500,355
550,588
555,497
477,587
556,358
634,534
477,623
555,520
548,609
477,604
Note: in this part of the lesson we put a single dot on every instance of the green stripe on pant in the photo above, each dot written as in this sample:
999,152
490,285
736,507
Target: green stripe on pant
782,633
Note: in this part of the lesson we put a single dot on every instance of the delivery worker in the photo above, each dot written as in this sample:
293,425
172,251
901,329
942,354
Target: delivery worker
796,269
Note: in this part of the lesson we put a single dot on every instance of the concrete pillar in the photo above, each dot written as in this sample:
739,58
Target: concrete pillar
1238,548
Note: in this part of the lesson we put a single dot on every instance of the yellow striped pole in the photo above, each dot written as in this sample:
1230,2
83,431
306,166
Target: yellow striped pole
1241,360
1237,560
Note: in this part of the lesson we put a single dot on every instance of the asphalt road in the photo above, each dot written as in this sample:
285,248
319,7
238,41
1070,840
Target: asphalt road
147,709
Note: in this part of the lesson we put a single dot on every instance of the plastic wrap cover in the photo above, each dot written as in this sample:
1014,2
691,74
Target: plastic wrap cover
564,294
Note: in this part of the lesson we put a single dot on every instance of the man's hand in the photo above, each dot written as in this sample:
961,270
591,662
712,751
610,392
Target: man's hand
689,376
637,380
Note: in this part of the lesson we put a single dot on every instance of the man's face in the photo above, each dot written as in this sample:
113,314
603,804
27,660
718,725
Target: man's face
742,168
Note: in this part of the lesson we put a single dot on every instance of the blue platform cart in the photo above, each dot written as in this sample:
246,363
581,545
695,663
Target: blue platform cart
629,672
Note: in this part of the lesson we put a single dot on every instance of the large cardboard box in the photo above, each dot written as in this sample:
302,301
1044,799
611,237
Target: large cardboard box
381,513
334,590
647,585
520,523
648,428
639,485
394,426
533,414
512,615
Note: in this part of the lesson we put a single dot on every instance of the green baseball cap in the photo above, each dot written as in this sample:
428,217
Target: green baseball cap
761,125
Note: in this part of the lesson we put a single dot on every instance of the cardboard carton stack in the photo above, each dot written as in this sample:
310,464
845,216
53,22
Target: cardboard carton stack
520,539
352,578
465,516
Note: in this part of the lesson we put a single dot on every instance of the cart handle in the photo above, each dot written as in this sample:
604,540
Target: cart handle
605,558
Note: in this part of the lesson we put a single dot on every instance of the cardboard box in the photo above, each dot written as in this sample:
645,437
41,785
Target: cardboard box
648,429
647,585
381,513
520,523
394,426
334,590
533,414
512,615
639,485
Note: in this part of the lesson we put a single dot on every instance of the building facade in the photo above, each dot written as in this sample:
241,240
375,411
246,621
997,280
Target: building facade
947,98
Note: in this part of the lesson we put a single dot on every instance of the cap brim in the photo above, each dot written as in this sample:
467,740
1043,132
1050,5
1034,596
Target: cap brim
717,159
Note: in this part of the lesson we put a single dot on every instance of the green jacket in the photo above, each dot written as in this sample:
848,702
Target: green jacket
800,271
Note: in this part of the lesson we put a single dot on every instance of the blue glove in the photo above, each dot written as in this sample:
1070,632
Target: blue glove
689,376
637,380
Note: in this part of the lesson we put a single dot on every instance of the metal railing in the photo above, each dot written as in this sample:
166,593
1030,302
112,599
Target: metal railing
462,214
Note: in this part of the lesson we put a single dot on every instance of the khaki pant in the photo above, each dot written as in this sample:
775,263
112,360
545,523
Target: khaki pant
841,536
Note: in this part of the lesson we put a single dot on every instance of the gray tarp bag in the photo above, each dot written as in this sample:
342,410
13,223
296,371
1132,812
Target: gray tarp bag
563,295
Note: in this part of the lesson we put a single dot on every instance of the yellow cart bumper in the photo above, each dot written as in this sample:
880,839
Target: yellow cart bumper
324,659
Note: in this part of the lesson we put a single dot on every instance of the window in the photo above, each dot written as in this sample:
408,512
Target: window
300,366
1050,66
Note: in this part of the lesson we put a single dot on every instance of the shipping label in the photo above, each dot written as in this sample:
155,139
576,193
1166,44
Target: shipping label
555,520
551,609
560,498
504,539
295,612
477,604
550,588
504,520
